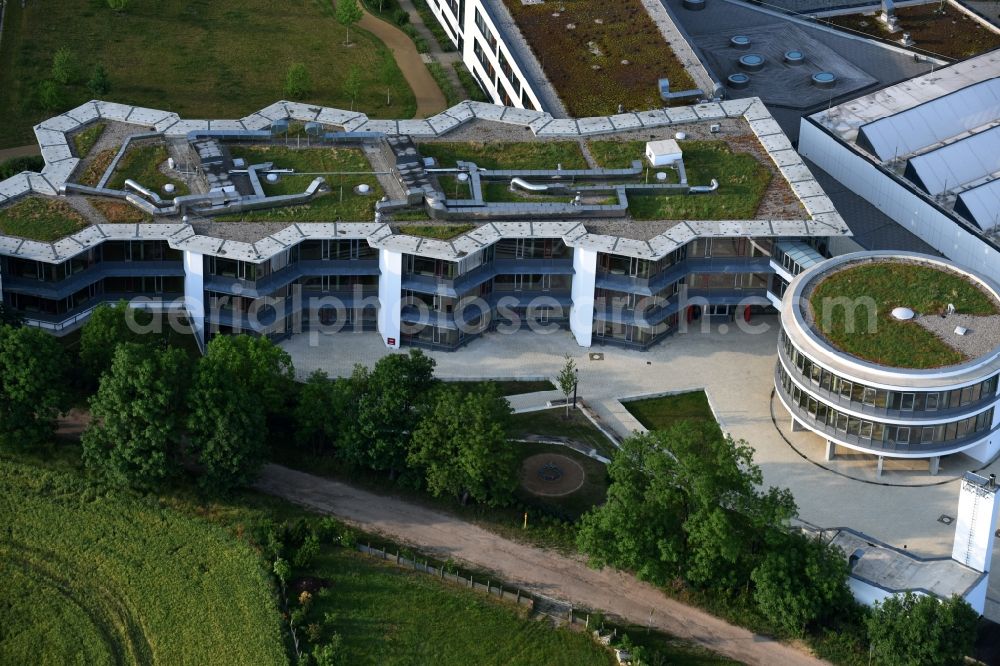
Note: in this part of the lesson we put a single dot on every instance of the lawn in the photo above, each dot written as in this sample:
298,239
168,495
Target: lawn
951,34
742,181
119,212
552,424
198,58
85,139
340,203
584,62
901,344
96,577
511,386
664,412
521,155
141,163
437,231
40,219
592,493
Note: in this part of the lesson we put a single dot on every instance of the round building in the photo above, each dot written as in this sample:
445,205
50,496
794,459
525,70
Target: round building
892,354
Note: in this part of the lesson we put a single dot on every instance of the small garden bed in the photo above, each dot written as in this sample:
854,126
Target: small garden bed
99,163
583,45
522,155
142,164
899,344
119,212
84,140
345,169
950,33
40,219
666,411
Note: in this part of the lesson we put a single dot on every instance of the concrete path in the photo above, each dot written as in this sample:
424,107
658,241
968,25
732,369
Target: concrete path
430,99
534,569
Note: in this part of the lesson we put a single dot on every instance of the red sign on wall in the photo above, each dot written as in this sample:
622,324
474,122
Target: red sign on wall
391,342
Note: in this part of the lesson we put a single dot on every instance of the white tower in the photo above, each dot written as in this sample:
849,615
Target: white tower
976,521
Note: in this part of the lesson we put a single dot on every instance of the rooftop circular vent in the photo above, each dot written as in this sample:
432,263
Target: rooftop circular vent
824,79
738,80
794,57
694,5
902,314
739,42
752,62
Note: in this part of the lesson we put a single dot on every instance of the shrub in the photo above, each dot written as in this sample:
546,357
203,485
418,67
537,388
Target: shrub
64,66
298,82
16,165
307,552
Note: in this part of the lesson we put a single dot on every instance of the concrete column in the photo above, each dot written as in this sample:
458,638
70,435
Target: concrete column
390,296
796,426
878,468
581,313
831,450
194,293
935,465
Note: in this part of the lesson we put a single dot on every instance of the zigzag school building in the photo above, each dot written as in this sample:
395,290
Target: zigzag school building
553,248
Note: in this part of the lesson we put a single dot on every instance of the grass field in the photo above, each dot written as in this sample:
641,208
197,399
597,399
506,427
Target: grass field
328,207
742,181
198,58
93,577
593,491
527,155
141,163
41,219
581,48
663,412
886,340
550,423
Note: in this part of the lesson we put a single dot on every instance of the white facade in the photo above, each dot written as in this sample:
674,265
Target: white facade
581,314
390,280
194,292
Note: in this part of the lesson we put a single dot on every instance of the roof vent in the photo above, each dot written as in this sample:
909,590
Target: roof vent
694,5
752,62
961,330
739,42
738,81
824,79
794,57
902,314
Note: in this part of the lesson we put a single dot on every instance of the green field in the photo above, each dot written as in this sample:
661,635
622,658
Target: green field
341,203
663,412
102,578
552,424
742,181
886,340
198,58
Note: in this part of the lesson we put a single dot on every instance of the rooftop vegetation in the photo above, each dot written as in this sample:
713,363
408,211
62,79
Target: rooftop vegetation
40,219
666,411
950,33
142,163
583,44
436,231
343,168
885,340
220,60
97,165
742,181
119,212
85,139
520,155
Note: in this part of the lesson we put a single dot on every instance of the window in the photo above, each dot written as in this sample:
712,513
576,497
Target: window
907,402
868,397
931,404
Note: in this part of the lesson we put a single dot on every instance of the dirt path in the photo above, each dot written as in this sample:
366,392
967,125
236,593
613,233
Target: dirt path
531,568
20,151
430,99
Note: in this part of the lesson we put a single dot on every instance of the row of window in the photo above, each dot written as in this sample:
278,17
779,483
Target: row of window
612,264
880,434
109,251
885,400
126,286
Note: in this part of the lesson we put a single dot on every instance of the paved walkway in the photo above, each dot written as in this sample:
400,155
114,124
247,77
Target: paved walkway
430,99
736,370
436,53
530,568
20,151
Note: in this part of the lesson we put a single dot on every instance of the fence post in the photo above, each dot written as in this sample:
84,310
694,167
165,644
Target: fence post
397,557
501,591
571,615
518,595
587,625
488,581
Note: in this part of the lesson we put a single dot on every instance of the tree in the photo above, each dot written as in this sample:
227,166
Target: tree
136,433
239,382
99,83
387,72
352,85
32,381
50,95
391,400
298,82
106,328
461,444
684,501
118,5
916,630
348,13
802,582
64,65
325,410
566,379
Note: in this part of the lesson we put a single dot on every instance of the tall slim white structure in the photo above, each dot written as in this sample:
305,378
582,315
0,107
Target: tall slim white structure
976,522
